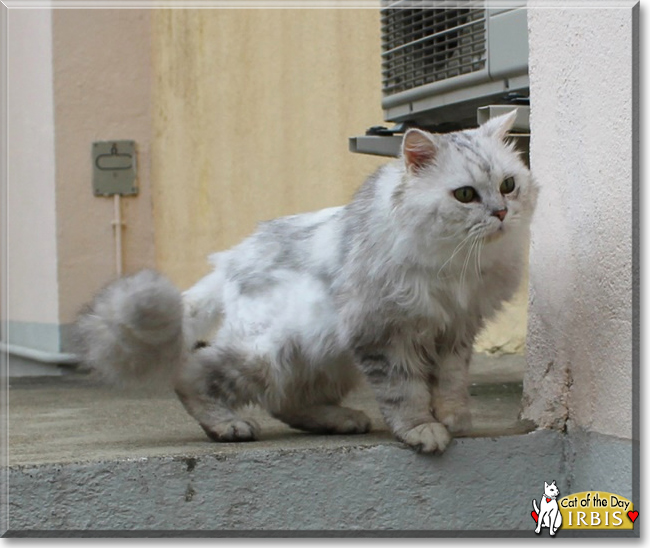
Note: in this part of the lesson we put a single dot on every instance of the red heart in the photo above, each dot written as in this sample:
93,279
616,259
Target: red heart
535,516
633,515
548,500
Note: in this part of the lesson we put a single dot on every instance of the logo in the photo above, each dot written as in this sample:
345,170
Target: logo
548,514
597,510
588,510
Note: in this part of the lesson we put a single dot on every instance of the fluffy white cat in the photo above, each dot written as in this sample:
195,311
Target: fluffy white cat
393,286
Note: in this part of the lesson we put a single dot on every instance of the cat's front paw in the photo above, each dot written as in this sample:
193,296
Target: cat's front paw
233,430
429,437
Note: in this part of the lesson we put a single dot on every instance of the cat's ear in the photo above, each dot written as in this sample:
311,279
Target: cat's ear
418,149
545,485
500,126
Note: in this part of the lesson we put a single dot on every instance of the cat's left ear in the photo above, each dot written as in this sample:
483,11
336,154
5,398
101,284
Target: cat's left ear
418,149
500,126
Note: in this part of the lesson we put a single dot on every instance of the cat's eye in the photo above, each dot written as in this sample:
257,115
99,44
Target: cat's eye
465,194
507,186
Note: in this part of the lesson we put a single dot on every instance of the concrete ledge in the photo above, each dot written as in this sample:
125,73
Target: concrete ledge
483,484
605,462
87,460
71,419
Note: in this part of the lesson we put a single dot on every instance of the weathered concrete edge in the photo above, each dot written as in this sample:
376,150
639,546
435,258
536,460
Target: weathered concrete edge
351,491
383,490
602,462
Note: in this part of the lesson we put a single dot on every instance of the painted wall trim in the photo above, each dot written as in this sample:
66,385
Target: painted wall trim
58,358
31,222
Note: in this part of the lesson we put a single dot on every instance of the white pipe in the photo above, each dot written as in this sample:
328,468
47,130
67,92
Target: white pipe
117,225
39,355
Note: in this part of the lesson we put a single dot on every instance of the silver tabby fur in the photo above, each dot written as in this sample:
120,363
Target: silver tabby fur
392,287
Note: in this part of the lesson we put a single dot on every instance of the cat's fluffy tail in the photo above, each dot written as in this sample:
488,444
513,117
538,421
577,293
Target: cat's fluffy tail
132,332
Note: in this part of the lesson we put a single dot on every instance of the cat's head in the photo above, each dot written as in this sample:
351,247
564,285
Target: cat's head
551,490
467,183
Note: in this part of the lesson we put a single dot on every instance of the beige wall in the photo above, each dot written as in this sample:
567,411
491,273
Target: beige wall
102,91
252,111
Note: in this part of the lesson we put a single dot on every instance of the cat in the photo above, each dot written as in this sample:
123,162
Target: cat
392,287
548,513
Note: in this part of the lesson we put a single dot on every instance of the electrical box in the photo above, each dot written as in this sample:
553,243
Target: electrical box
114,168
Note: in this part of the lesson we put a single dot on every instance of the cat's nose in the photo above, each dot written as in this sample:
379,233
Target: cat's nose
500,213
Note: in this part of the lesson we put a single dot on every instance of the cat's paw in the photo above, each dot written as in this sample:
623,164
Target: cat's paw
429,437
351,422
233,430
458,421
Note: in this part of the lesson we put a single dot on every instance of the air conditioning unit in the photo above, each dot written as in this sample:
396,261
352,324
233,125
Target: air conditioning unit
442,61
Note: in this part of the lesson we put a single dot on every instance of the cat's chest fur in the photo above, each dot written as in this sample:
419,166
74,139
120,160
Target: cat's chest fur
441,299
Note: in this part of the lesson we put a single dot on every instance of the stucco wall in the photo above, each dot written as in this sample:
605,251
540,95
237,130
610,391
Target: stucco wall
252,113
580,320
252,110
102,91
31,223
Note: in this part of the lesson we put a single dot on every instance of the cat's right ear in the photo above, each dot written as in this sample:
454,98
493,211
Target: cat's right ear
418,149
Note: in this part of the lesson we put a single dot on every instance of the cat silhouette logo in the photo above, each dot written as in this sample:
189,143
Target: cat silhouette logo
548,514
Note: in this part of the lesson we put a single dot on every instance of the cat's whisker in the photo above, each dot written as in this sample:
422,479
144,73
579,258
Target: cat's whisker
454,236
477,248
478,259
464,268
455,252
477,242
463,272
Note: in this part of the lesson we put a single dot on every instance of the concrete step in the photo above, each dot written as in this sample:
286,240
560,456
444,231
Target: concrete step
73,419
87,457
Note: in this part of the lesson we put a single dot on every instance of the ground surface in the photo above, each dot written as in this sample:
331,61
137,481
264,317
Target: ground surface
70,419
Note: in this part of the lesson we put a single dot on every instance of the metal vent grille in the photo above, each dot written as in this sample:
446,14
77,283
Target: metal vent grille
421,46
